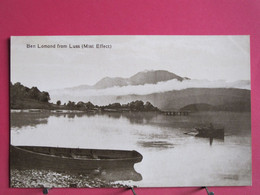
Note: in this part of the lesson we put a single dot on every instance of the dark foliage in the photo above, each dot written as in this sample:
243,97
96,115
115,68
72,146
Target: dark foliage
137,105
132,106
22,97
19,93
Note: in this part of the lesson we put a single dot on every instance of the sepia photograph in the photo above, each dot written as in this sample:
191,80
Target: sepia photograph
130,111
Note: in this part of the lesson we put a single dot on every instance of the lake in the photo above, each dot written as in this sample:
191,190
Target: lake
170,156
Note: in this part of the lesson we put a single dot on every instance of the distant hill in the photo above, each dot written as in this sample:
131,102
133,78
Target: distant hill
220,98
232,97
108,82
153,77
141,78
234,106
198,107
229,99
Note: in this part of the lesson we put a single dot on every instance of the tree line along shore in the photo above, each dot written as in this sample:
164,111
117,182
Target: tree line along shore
22,97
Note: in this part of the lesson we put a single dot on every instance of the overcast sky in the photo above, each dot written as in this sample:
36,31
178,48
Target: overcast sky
197,57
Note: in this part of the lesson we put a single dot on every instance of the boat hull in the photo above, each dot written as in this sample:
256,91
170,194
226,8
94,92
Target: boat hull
71,160
210,133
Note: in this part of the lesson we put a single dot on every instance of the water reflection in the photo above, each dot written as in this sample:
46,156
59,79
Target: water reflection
186,123
133,117
211,132
156,144
23,119
33,118
117,174
157,137
212,138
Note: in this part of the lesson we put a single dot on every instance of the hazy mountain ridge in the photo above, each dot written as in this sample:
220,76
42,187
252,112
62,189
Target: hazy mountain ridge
108,82
176,99
165,90
153,77
140,78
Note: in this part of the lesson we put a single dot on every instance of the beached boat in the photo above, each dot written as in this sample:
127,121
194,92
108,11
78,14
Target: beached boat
71,159
210,132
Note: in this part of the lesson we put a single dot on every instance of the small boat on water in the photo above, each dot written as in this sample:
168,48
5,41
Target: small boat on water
71,159
210,132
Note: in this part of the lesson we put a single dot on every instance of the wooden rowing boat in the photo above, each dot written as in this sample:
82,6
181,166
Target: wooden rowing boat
71,159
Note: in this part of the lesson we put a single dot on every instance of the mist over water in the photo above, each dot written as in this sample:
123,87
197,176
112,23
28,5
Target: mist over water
160,87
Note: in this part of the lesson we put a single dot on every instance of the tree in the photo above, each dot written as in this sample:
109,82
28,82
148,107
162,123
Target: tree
71,105
89,105
137,105
80,105
44,96
58,102
114,106
34,93
149,107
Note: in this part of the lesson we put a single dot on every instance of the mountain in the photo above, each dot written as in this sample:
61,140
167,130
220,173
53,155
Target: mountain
108,82
141,78
237,106
153,77
198,107
163,89
220,98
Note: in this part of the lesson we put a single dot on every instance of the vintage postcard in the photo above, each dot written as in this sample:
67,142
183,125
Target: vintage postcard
120,111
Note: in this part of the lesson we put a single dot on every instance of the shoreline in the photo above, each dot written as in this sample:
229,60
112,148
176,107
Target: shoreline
33,178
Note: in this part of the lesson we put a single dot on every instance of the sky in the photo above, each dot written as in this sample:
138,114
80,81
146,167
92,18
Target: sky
197,57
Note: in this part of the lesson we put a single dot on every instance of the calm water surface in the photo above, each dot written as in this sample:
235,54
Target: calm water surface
170,157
